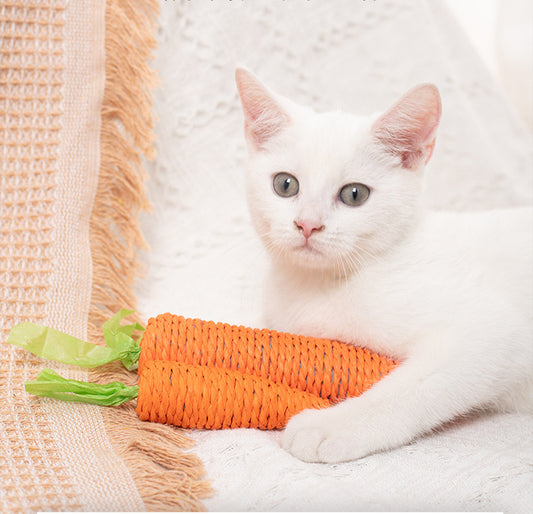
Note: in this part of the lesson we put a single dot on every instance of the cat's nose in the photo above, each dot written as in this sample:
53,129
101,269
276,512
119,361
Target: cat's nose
307,227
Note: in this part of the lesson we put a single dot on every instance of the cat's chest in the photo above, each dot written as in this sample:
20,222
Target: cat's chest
347,312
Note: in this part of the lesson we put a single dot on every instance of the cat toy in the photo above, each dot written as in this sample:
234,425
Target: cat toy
201,374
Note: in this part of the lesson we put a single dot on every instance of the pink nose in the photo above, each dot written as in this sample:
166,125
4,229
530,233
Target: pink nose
307,227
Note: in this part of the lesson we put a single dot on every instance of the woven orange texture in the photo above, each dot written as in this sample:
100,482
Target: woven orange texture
328,369
193,396
201,374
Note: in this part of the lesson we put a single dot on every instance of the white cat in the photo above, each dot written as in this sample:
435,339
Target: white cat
336,200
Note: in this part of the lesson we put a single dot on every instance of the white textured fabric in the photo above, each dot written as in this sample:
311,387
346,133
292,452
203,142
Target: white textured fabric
205,258
471,465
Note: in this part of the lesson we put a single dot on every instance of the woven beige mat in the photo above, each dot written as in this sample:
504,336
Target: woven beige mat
75,119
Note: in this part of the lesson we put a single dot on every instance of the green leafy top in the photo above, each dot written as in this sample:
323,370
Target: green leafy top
52,344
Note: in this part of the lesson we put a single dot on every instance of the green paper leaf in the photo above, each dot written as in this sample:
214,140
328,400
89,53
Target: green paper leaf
112,327
52,385
120,337
52,344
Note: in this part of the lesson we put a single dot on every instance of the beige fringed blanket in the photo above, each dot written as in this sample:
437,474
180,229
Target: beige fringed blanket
75,120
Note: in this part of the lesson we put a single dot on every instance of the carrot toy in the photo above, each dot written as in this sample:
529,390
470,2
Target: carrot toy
194,373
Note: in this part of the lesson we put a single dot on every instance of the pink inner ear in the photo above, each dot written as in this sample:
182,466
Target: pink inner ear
263,116
408,128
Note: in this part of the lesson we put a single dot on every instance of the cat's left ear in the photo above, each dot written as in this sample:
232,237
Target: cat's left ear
264,117
408,129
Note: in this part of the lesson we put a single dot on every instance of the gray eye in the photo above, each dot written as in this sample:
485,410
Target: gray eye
354,195
286,185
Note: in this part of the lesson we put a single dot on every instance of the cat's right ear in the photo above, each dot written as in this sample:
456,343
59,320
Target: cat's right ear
263,115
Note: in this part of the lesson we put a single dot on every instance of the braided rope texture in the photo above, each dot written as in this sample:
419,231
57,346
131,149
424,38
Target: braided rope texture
194,396
202,374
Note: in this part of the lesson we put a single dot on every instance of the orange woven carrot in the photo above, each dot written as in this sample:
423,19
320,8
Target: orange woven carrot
195,373
325,368
192,396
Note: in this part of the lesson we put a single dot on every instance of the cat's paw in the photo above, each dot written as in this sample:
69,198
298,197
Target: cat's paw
313,436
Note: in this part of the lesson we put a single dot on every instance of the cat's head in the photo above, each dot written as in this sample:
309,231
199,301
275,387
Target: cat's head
329,190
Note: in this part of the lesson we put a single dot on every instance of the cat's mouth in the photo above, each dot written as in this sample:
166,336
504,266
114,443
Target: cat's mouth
309,256
308,252
308,249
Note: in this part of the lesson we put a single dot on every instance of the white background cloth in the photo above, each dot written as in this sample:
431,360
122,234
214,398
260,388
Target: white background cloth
206,261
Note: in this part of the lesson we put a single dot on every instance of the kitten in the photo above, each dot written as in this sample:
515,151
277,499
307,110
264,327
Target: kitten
336,200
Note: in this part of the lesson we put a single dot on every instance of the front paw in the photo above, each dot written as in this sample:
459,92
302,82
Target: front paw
315,436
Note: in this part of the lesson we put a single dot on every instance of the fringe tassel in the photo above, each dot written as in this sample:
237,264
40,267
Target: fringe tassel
166,477
126,134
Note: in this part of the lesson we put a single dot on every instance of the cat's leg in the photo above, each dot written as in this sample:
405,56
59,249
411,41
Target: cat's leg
413,399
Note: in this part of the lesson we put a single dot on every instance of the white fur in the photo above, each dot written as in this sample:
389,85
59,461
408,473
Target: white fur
449,294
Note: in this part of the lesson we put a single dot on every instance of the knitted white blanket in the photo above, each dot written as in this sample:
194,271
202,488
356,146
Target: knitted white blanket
205,260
